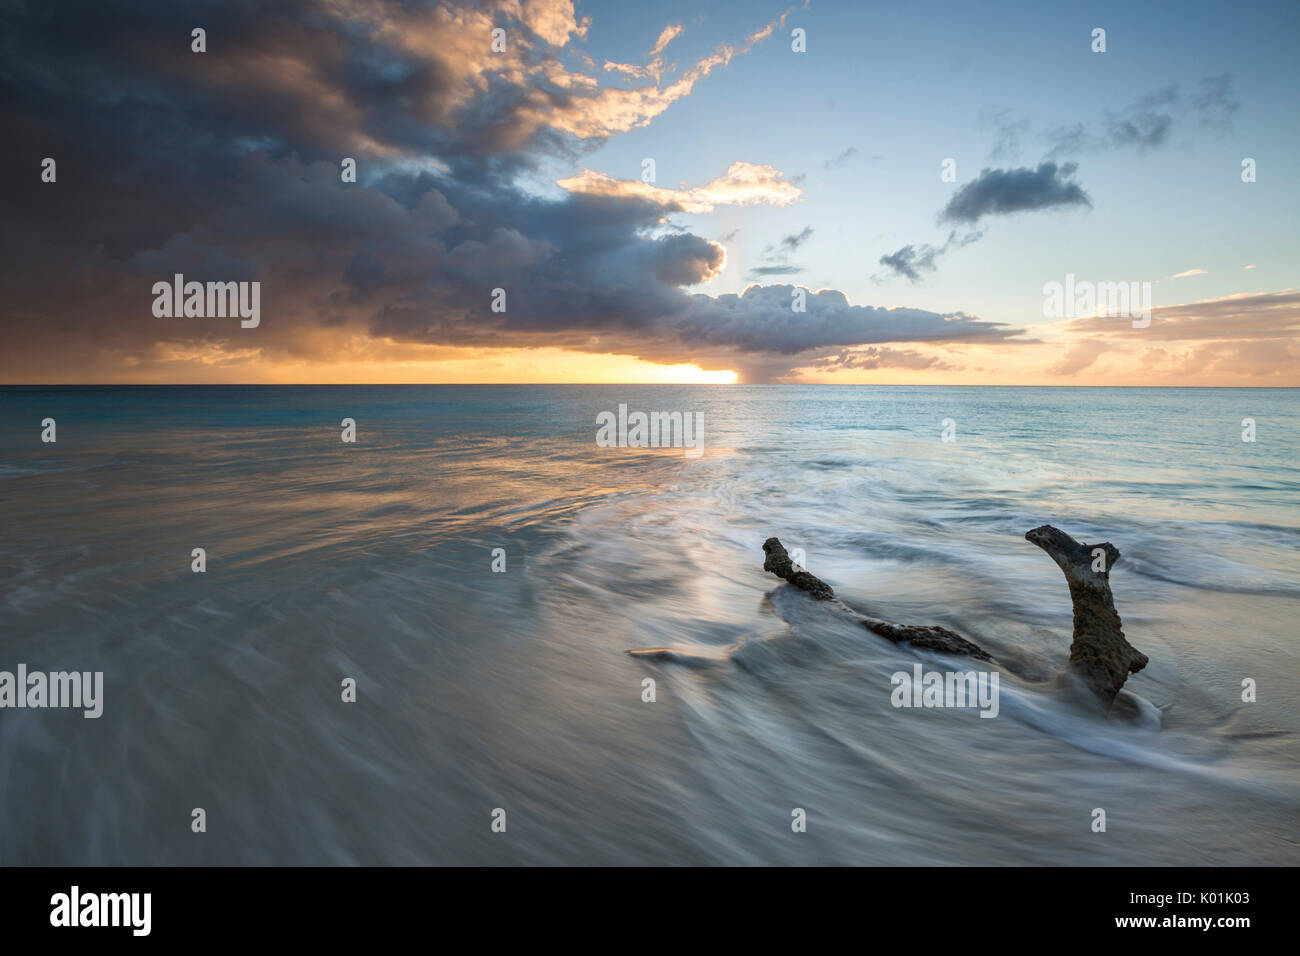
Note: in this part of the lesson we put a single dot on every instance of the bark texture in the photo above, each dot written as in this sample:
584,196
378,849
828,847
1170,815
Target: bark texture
1100,655
931,637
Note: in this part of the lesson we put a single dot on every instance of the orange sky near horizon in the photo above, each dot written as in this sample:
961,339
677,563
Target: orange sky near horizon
1043,363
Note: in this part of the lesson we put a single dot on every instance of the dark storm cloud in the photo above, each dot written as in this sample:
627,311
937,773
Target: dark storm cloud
775,259
1146,124
911,261
994,192
1150,121
1001,192
882,356
793,242
760,319
224,166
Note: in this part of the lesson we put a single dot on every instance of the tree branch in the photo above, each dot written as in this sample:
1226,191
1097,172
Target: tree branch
1100,655
930,637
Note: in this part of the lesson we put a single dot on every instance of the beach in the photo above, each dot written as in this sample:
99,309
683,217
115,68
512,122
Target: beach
481,568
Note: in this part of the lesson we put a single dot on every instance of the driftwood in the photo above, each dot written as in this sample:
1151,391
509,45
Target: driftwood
931,637
1099,656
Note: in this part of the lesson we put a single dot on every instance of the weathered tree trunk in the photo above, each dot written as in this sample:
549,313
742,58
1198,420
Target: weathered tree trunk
930,637
1100,655
778,561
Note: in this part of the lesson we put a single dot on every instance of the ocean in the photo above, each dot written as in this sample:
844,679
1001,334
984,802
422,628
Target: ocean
481,568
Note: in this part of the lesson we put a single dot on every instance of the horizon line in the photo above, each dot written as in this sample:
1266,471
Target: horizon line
593,385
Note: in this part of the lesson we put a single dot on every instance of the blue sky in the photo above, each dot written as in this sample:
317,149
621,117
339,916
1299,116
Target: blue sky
797,228
915,83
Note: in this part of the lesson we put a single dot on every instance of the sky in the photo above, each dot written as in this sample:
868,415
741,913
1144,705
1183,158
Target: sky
610,192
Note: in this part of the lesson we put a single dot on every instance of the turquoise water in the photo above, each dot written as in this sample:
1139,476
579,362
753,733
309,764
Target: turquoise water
479,690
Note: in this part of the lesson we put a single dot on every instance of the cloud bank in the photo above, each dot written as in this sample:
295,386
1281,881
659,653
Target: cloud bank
1001,192
225,166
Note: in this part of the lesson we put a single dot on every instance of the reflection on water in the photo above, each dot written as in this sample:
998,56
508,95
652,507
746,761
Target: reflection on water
479,690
